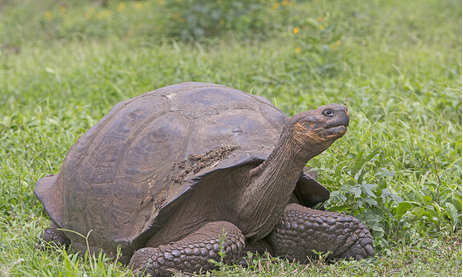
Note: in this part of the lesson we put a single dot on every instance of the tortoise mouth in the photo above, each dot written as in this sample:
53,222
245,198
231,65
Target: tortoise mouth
333,131
334,125
337,128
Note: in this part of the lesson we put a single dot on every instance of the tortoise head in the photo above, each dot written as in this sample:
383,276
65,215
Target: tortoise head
316,130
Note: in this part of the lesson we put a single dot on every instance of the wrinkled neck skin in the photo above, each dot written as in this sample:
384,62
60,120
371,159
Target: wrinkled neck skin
272,183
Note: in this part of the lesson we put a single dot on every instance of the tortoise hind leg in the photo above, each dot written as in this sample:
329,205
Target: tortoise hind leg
192,253
53,237
301,230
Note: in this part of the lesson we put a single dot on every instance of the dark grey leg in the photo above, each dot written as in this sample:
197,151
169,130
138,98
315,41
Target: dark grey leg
53,237
192,253
301,230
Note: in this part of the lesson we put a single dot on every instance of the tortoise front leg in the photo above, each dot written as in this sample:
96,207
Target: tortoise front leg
192,253
301,230
54,237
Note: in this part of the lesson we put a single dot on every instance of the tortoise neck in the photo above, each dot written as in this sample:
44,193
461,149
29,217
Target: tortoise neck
270,187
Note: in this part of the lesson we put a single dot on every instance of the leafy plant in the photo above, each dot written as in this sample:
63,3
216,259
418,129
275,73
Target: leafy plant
366,193
321,40
189,19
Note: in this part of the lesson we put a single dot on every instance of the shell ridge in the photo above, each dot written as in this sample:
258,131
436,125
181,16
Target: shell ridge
126,147
102,131
103,122
183,141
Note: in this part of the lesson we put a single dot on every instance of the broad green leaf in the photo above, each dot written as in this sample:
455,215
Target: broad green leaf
386,173
366,188
358,165
396,198
340,208
372,154
353,171
370,201
427,198
360,176
386,192
432,234
371,216
377,228
453,214
402,208
357,191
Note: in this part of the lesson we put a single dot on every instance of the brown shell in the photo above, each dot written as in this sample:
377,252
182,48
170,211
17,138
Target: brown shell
127,174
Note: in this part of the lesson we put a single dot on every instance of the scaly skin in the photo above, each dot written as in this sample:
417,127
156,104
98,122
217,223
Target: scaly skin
53,236
301,230
192,253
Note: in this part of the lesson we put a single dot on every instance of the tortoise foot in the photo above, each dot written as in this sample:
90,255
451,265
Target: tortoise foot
191,254
361,249
302,230
53,237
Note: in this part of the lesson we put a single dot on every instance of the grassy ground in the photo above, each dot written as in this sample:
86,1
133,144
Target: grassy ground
395,64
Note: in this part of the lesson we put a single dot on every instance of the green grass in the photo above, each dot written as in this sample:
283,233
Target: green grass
395,64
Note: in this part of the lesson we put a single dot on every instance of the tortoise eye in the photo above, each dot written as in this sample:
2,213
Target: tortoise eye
328,113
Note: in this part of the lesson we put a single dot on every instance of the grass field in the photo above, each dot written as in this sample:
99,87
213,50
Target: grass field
395,64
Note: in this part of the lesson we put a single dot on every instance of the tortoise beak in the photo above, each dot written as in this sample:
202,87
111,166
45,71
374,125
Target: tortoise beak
344,117
340,116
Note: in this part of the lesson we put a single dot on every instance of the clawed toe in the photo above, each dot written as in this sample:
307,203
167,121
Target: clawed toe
52,237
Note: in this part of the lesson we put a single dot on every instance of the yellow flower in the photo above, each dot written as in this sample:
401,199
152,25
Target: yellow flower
100,15
88,15
338,43
296,30
322,27
291,3
91,9
107,12
121,7
275,6
138,5
49,16
298,50
284,2
320,18
161,2
62,9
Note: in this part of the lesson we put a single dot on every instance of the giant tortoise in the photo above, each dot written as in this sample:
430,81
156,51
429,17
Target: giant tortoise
164,175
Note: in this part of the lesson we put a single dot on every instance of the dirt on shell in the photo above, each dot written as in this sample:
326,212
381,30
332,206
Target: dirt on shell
195,163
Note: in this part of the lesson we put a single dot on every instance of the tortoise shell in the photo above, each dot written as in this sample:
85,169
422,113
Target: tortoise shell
124,178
